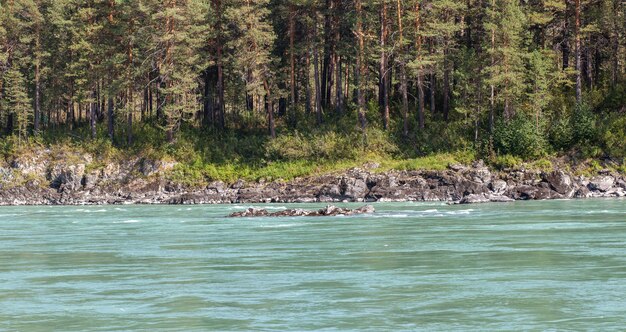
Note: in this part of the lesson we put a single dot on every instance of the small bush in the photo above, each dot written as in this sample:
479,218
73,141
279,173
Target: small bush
614,136
583,123
519,137
506,161
435,162
560,134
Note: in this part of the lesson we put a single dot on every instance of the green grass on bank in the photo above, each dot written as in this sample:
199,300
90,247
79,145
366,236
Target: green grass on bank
203,155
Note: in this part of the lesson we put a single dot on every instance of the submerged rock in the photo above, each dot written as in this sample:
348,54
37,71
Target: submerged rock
485,198
328,211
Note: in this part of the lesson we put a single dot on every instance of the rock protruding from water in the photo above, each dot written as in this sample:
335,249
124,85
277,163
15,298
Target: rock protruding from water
328,211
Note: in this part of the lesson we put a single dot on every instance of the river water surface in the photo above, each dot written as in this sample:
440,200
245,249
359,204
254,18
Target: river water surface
551,265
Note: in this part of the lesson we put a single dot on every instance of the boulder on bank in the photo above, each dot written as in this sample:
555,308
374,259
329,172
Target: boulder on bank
328,211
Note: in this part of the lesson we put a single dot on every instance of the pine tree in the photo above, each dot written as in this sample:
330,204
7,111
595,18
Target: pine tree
16,103
251,42
178,27
505,24
443,27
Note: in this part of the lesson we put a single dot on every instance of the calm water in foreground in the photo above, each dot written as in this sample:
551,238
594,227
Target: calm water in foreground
552,265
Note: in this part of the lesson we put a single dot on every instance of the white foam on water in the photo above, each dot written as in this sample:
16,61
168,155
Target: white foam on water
379,216
465,212
284,225
240,207
90,210
131,221
599,211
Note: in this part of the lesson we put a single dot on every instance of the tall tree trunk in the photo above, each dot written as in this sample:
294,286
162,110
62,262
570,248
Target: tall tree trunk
615,44
492,88
316,73
360,65
446,85
329,53
220,106
432,80
292,63
587,67
383,92
432,90
160,98
578,54
93,114
206,104
402,65
420,73
129,94
110,118
37,115
129,120
307,79
270,110
565,49
144,105
339,87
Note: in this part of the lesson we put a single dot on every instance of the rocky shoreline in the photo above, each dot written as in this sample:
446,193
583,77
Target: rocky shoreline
143,182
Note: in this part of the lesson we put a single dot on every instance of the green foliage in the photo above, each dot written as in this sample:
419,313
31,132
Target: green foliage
560,133
583,123
614,136
519,137
542,164
506,161
16,110
433,162
79,55
330,145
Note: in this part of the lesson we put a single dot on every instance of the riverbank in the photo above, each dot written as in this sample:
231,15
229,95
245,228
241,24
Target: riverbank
79,180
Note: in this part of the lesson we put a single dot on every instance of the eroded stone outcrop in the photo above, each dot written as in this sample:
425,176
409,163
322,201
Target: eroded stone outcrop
328,211
73,179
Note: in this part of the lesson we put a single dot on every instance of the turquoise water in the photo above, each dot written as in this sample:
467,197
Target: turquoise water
551,265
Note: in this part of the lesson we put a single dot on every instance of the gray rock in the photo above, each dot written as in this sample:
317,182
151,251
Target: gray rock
601,183
353,188
474,199
560,182
621,183
457,167
498,186
90,180
6,175
481,174
67,178
582,192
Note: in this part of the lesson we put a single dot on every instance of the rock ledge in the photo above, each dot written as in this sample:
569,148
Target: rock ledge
328,211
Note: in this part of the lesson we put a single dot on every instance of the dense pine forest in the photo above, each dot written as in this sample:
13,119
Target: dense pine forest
308,82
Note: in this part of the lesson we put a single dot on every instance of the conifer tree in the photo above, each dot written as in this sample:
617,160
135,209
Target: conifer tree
17,105
251,40
178,27
505,24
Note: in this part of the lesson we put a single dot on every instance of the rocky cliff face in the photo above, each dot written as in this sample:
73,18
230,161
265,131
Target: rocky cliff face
47,182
